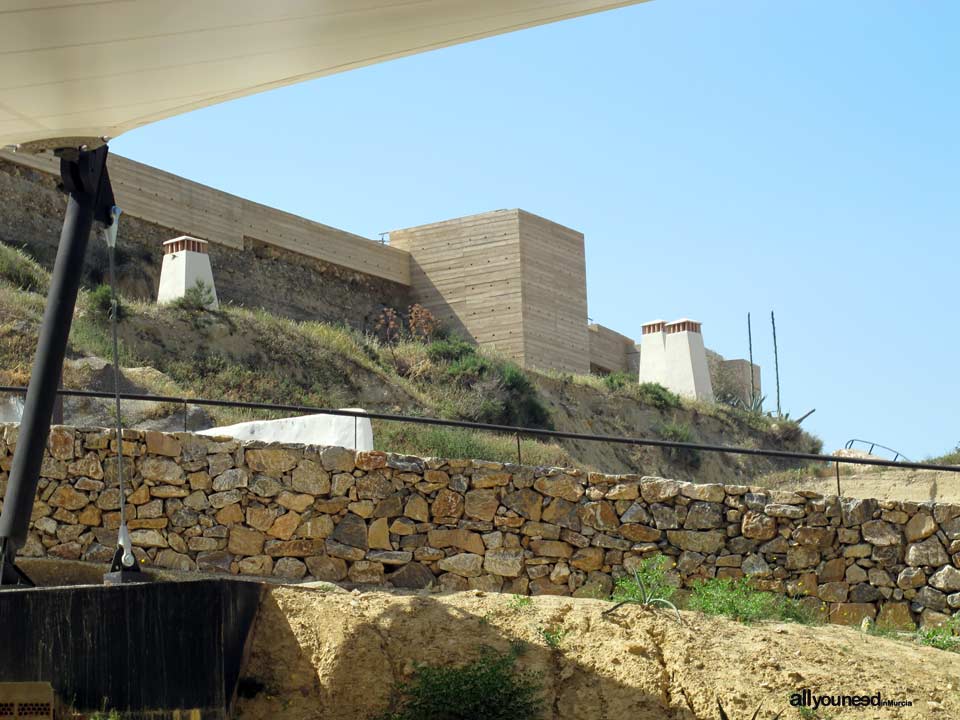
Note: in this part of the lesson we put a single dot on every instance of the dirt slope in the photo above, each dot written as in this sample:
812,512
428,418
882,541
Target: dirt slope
336,655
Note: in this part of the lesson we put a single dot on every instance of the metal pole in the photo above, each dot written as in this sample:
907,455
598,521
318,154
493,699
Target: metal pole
85,180
753,385
776,360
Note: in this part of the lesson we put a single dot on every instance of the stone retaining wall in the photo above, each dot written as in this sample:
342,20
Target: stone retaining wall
326,513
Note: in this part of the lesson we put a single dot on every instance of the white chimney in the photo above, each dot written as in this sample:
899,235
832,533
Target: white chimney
185,263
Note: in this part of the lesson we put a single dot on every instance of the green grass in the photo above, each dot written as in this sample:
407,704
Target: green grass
942,637
951,458
22,271
443,442
489,688
738,600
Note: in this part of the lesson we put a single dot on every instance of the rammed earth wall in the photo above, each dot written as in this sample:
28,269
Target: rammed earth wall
218,505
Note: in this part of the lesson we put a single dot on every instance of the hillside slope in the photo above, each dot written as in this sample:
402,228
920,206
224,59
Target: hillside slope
244,354
338,655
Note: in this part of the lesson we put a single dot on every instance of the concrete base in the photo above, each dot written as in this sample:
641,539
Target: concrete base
155,650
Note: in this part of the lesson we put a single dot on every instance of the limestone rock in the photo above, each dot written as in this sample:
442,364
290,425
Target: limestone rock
463,564
352,531
758,526
271,460
946,579
324,567
927,552
413,575
561,486
507,562
525,502
919,527
880,532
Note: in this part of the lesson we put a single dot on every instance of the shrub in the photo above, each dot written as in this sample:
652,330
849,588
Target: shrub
450,349
196,299
101,304
680,432
422,323
735,599
489,688
22,271
618,380
657,395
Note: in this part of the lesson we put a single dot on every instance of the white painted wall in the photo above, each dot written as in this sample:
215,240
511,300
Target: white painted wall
336,430
11,409
180,272
678,361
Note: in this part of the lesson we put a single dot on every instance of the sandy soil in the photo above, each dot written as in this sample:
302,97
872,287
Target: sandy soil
333,654
904,485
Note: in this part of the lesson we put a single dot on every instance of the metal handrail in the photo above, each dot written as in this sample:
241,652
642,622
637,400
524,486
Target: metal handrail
506,429
896,453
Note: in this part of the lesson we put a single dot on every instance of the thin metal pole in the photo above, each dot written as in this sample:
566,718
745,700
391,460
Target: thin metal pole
837,465
776,360
84,176
753,385
510,429
519,456
184,415
114,321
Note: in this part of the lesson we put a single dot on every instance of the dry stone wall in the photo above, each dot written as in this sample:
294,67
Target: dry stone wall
293,511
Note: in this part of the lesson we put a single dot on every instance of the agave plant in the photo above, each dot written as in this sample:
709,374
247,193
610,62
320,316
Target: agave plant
724,716
647,597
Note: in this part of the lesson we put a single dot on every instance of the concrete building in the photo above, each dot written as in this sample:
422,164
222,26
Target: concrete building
185,264
508,279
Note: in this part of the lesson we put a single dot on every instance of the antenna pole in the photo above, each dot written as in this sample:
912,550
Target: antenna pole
753,386
776,360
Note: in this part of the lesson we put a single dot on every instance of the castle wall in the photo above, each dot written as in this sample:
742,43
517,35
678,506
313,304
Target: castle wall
467,272
507,279
554,272
294,511
247,270
609,350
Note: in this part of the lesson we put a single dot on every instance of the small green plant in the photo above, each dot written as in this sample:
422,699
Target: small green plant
735,599
105,715
942,637
521,602
724,716
648,587
552,636
489,688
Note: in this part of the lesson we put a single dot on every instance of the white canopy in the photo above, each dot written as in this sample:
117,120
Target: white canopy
96,68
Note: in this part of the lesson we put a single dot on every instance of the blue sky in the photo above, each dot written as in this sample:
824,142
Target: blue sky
720,157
